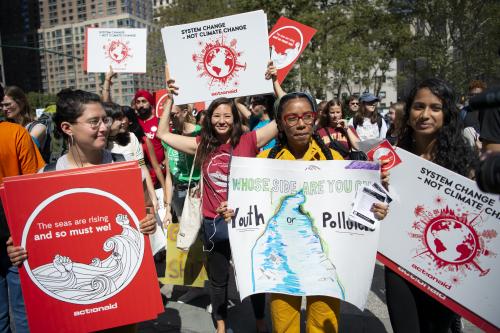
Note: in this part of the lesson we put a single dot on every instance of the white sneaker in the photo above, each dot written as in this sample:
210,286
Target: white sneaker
191,294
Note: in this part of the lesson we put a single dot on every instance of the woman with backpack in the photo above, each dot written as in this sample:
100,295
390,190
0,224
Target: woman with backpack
367,122
333,129
297,140
16,107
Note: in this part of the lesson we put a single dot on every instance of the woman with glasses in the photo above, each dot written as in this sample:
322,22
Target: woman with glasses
80,118
367,121
333,127
16,108
433,131
295,117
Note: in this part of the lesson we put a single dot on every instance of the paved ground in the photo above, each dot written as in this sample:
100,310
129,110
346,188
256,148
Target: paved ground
188,318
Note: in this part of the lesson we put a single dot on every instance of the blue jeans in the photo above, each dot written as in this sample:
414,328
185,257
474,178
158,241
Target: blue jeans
11,297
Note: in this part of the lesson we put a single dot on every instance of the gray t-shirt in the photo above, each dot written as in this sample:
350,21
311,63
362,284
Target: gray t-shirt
63,163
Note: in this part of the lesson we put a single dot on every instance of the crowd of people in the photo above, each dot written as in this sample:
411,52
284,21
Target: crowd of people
89,129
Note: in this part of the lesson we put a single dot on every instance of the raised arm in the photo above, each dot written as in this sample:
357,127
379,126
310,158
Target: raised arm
106,93
242,108
272,73
186,144
266,133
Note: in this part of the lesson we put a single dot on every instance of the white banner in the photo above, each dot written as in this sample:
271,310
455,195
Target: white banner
123,49
223,57
443,231
290,232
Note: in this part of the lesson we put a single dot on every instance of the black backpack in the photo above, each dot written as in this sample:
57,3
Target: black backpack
45,120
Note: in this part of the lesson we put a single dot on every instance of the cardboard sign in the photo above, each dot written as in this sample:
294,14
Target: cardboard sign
89,267
287,41
290,233
442,235
223,57
184,268
384,152
123,49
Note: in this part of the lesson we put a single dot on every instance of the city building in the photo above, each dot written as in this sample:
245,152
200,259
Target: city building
2,72
62,36
159,4
19,22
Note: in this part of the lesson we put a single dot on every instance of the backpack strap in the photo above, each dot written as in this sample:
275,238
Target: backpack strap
50,167
30,126
117,157
337,146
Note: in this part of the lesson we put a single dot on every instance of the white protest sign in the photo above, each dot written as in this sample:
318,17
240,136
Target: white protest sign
123,49
443,236
223,57
290,232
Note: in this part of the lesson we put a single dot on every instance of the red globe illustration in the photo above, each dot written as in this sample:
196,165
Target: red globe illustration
118,51
451,241
219,61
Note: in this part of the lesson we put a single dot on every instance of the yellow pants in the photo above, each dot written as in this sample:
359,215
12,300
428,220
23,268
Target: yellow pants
322,314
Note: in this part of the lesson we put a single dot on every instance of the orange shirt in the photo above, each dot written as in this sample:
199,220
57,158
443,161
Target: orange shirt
18,153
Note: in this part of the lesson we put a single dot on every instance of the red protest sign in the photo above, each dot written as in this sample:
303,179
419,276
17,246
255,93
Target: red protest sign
161,97
89,267
287,41
384,152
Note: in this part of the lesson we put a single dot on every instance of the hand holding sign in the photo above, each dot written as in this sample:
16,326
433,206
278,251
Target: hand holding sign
219,58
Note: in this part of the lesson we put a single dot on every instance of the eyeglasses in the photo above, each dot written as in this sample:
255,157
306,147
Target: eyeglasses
353,103
96,122
293,119
371,103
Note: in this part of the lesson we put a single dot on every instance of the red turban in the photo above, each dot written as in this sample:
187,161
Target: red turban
147,95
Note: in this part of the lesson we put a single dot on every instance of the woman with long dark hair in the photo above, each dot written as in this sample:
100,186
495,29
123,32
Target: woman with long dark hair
121,141
367,121
396,111
433,131
221,138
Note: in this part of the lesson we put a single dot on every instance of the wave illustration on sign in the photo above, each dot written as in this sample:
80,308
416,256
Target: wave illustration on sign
82,283
290,258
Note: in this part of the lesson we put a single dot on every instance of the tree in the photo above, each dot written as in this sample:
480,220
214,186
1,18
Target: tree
456,40
39,100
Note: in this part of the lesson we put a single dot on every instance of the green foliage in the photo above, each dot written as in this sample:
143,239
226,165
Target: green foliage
39,100
456,40
356,40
